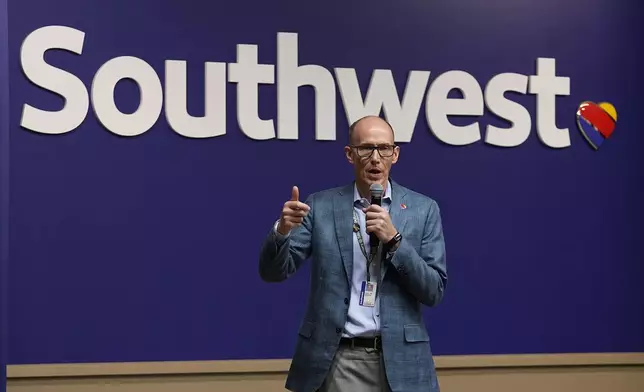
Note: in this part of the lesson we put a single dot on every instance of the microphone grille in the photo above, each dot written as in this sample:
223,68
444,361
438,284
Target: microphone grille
376,190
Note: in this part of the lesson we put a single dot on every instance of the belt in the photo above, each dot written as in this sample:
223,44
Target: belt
374,343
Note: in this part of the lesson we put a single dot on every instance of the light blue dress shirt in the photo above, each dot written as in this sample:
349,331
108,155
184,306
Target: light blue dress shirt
364,320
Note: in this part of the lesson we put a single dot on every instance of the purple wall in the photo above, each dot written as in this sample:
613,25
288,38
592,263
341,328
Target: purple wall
137,238
4,186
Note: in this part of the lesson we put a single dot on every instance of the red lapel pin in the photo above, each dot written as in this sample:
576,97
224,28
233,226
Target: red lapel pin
403,206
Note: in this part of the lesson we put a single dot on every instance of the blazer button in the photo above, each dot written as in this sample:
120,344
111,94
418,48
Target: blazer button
338,330
346,301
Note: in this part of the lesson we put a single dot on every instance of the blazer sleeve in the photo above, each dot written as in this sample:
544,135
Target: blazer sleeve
424,273
281,256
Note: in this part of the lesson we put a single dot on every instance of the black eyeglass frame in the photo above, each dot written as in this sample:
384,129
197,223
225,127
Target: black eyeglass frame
389,148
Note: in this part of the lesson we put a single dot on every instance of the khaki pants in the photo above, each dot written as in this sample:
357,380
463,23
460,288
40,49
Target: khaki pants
356,370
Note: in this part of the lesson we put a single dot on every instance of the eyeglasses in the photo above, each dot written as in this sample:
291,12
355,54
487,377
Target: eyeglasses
385,150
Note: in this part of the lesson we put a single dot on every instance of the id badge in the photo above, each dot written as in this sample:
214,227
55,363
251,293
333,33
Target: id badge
368,294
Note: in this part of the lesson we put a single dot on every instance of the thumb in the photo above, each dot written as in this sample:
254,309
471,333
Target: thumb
295,194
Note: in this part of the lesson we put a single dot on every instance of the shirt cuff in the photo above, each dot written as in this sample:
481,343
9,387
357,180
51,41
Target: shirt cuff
279,237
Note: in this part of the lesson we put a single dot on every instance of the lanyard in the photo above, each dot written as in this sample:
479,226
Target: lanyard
356,229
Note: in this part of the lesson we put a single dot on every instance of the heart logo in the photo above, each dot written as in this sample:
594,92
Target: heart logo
596,122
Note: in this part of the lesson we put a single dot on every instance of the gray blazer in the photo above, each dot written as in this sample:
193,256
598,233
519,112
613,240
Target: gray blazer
415,275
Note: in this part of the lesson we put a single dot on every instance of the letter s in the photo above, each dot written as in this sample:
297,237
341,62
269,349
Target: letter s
53,79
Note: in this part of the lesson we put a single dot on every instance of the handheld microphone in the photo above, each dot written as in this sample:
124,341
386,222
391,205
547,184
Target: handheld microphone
376,198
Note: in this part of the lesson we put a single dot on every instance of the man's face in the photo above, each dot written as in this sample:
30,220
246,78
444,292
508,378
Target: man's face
372,151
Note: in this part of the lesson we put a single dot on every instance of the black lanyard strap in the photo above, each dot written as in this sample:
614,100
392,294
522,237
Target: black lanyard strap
370,258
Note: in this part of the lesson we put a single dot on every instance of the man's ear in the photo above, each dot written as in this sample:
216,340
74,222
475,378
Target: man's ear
349,155
396,154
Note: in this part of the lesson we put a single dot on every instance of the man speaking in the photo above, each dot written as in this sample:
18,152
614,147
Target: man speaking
378,253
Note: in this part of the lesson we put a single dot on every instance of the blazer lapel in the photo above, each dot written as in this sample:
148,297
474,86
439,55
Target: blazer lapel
343,218
397,213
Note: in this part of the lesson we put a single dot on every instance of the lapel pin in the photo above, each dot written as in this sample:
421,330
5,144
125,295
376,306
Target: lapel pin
403,206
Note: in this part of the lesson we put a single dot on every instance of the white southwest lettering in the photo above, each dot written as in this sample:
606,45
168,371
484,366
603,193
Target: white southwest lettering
438,107
290,76
546,86
105,108
54,79
213,123
249,75
382,94
507,109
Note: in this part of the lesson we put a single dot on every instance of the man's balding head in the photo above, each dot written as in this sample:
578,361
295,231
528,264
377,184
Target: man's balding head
369,122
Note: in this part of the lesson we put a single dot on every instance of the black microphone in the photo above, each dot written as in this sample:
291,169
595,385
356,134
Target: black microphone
376,198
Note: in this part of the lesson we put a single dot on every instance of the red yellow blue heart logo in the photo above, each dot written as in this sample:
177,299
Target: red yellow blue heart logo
596,122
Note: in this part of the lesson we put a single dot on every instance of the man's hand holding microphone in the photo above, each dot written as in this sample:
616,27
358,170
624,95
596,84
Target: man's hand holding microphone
293,213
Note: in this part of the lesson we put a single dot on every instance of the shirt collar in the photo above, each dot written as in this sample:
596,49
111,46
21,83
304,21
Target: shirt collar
357,198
